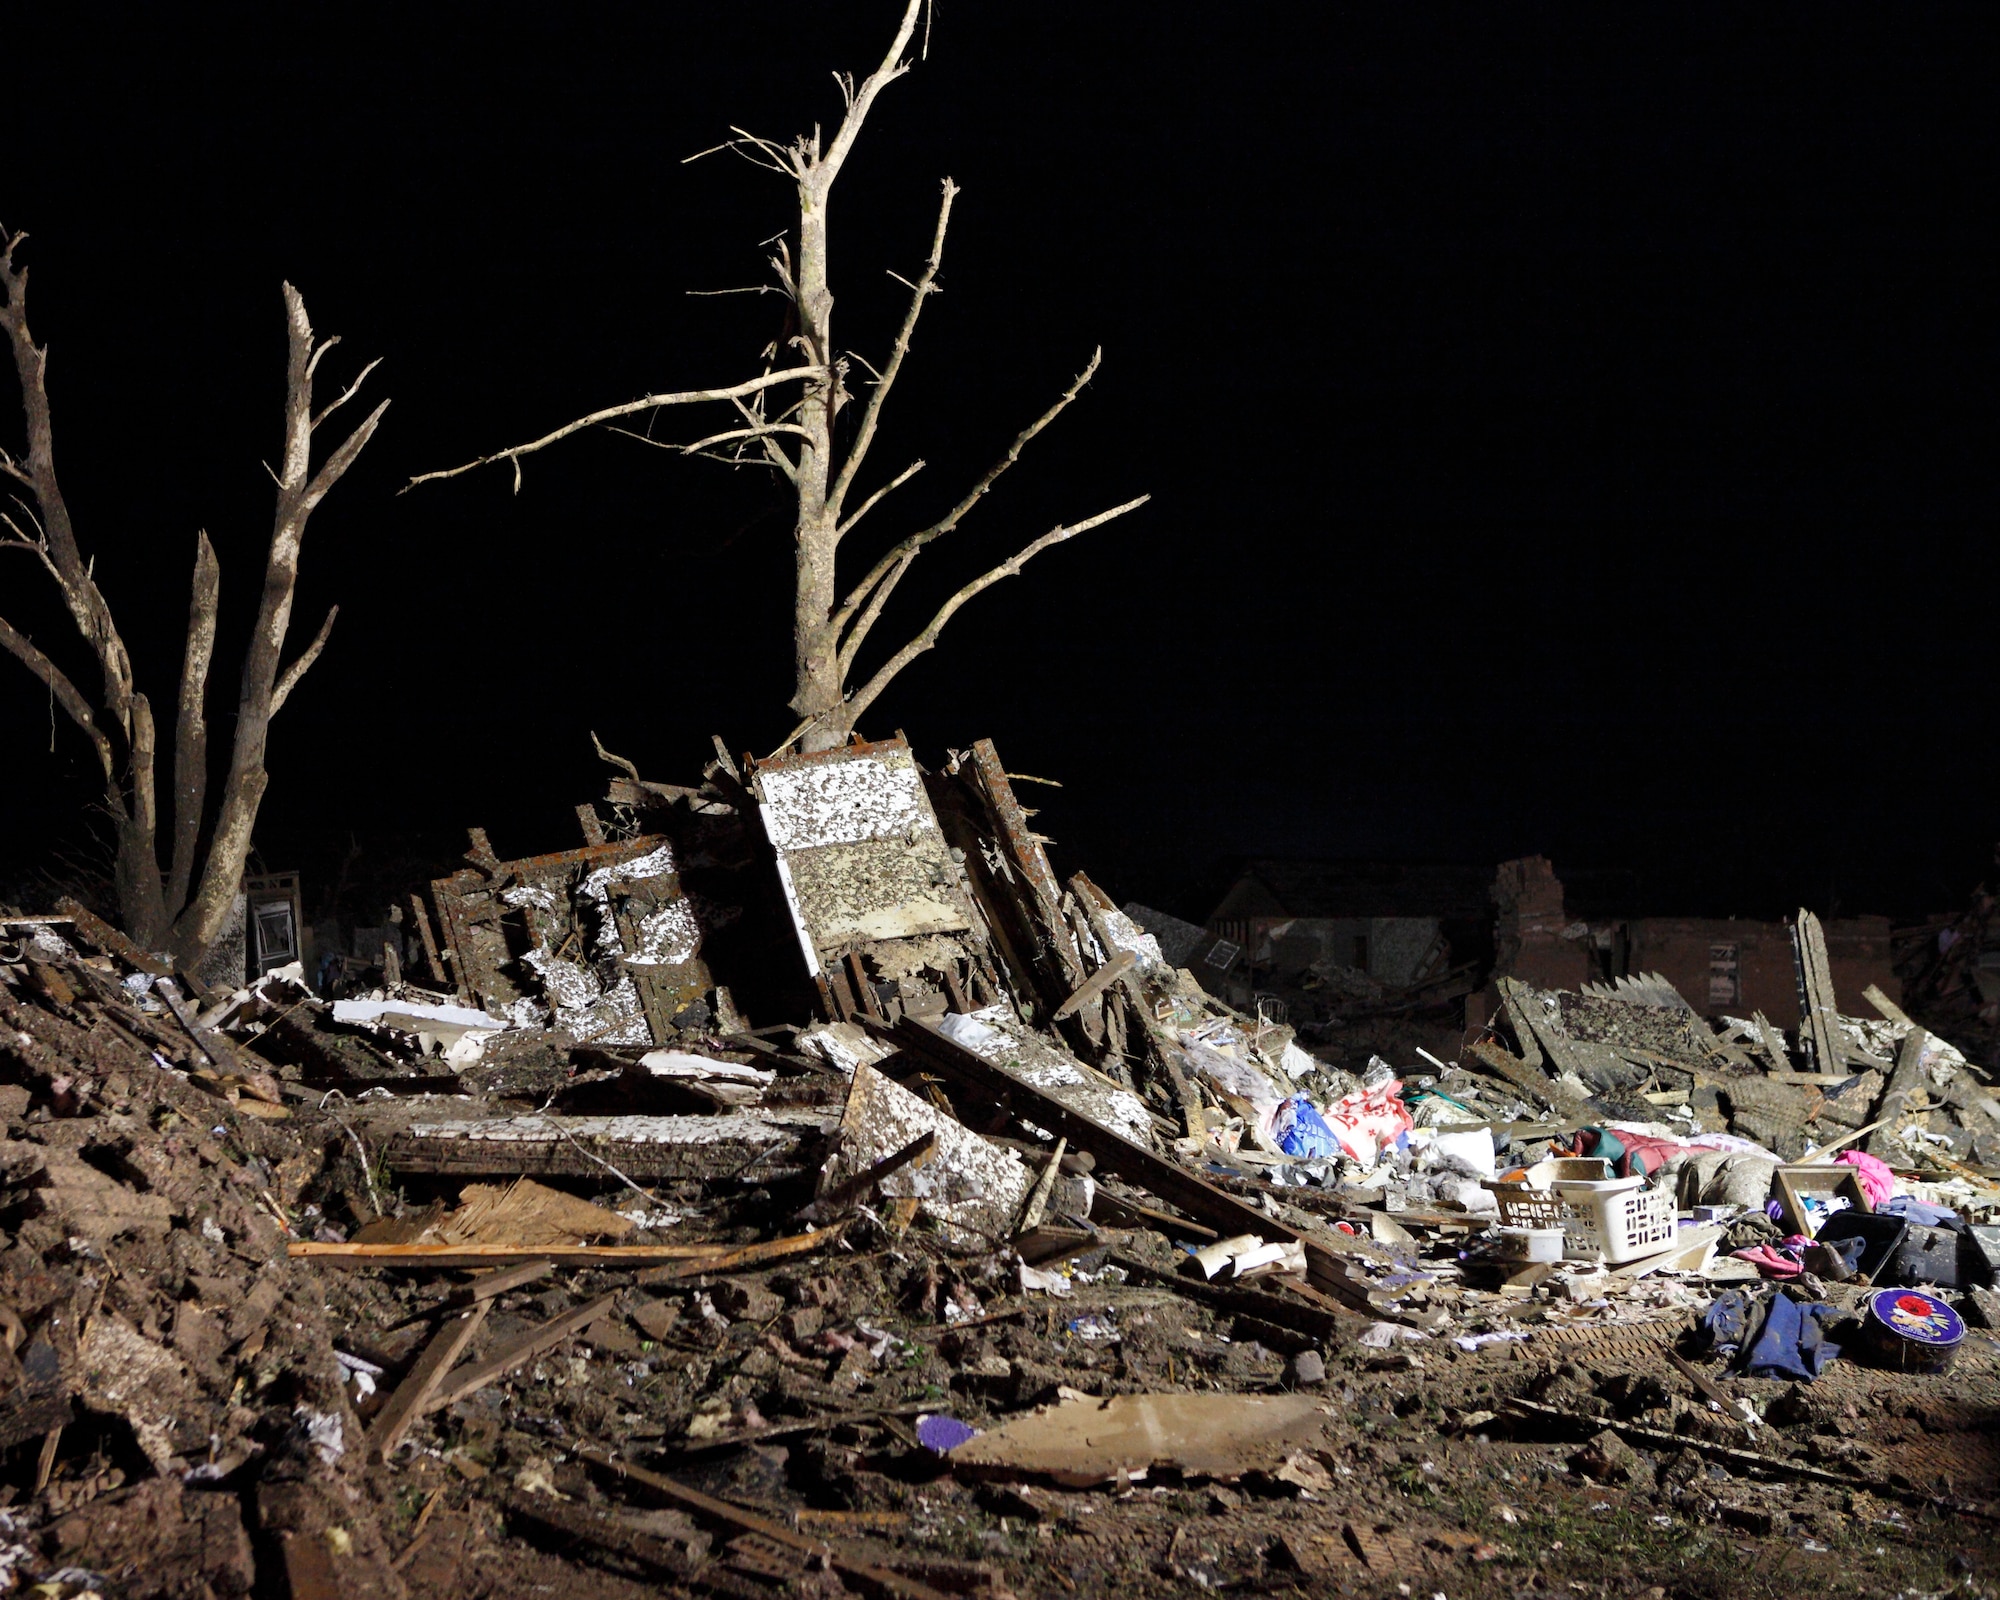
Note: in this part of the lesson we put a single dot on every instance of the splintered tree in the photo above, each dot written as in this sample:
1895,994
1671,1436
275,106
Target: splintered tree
785,417
182,907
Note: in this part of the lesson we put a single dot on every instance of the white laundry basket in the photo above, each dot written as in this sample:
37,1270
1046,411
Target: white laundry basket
1617,1219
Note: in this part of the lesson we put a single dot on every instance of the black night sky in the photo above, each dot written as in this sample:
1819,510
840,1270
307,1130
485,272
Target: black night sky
1570,429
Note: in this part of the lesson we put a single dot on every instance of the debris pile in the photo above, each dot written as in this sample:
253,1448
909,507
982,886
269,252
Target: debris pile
800,1188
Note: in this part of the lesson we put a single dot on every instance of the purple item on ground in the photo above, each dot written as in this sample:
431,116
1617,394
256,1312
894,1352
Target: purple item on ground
943,1434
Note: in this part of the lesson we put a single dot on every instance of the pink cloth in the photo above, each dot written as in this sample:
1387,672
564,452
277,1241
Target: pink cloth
1877,1181
1770,1262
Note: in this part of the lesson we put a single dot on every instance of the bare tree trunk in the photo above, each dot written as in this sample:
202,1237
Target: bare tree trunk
191,728
829,628
174,911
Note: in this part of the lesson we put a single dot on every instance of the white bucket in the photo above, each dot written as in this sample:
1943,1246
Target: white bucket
1531,1244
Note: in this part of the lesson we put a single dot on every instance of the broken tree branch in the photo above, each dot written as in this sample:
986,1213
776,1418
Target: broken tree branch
858,595
650,402
300,490
23,649
85,602
1011,567
762,430
298,669
851,646
893,66
874,499
871,413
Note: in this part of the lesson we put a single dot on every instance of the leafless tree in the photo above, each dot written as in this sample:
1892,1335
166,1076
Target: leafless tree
182,908
784,418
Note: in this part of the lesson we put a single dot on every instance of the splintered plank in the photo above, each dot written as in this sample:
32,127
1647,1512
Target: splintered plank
477,1375
1819,1014
867,1577
413,1394
1884,1135
109,939
442,1256
749,1255
484,1287
596,1528
1094,985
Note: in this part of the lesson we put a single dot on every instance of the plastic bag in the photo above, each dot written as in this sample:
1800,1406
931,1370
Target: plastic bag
1300,1130
1370,1120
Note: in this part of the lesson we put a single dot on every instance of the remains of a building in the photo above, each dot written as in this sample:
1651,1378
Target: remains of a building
799,1187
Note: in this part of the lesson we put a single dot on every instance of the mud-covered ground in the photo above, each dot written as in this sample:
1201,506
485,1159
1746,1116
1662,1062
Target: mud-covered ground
1413,1484
177,1418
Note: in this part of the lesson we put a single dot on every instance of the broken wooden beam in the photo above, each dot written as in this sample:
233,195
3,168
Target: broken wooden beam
1291,1310
1120,1156
470,1379
484,1287
1819,1014
595,1527
837,1196
1730,1455
1903,1084
1890,1011
791,1430
749,1255
1038,1197
412,1395
107,938
771,1143
863,1575
1094,985
440,1256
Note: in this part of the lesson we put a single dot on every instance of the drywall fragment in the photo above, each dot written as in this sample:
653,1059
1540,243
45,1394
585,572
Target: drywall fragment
995,1036
842,1044
974,1189
1083,1442
725,1082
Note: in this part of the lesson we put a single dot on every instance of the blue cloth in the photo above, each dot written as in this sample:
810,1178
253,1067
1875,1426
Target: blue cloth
1793,1343
1726,1323
1911,1209
1301,1131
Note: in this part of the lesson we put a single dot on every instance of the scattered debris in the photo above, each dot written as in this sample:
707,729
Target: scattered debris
799,1174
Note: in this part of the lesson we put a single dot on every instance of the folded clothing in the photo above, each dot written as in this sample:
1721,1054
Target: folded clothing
1771,1261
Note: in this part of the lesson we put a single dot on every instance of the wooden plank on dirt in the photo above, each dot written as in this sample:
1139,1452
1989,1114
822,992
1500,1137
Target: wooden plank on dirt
477,1375
867,1577
441,1256
412,1395
749,1255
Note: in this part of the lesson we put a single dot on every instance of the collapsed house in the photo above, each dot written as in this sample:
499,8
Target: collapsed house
799,1186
